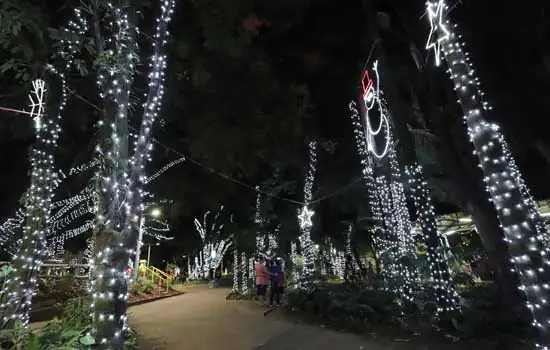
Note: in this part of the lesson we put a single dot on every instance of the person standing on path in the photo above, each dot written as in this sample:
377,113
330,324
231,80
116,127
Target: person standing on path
261,278
276,272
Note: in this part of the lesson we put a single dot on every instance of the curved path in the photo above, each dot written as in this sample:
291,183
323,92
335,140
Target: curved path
202,319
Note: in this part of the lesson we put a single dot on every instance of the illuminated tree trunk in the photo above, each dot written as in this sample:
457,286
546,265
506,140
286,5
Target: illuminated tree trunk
122,178
21,284
446,297
306,244
520,222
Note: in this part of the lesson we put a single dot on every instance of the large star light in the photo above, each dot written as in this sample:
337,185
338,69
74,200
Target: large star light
305,217
438,30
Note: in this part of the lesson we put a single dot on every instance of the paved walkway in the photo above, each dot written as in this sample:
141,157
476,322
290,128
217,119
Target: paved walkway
203,320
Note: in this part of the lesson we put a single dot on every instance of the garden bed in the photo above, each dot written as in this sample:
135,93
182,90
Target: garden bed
377,314
54,293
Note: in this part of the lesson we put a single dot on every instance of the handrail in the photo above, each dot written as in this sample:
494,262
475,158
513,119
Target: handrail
155,273
159,271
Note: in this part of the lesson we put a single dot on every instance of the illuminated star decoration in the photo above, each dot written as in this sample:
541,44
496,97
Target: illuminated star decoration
437,29
37,101
305,217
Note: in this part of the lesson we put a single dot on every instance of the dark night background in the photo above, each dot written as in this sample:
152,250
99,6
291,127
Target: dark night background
250,81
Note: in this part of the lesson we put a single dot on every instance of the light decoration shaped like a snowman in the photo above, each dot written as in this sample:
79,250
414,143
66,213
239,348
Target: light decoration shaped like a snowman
373,105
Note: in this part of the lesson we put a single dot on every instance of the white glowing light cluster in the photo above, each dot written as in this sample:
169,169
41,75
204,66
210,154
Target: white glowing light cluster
392,223
446,297
294,258
336,259
403,227
214,248
59,251
55,226
504,184
19,287
123,177
394,247
258,220
272,244
373,102
305,215
89,256
244,273
236,272
8,229
348,241
164,169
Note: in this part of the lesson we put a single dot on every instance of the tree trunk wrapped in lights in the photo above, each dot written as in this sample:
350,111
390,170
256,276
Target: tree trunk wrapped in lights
258,220
214,248
121,178
391,223
20,286
446,297
244,274
236,286
520,222
305,214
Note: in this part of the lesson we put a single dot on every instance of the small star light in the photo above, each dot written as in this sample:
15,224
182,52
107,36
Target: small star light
37,102
305,217
437,29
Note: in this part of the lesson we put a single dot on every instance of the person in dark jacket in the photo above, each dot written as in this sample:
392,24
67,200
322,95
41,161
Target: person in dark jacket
276,272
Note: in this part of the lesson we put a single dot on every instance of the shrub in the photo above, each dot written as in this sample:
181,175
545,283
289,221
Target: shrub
142,285
347,306
69,332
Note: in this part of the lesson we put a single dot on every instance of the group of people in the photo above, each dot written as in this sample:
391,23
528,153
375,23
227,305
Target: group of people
270,274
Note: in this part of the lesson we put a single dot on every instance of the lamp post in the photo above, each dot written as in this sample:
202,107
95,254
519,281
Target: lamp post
155,212
149,251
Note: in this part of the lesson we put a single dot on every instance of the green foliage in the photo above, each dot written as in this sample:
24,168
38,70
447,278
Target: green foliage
69,332
142,285
22,27
345,307
5,271
61,289
482,317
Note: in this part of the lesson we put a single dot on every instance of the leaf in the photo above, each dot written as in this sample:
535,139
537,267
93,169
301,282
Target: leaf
34,342
69,334
87,340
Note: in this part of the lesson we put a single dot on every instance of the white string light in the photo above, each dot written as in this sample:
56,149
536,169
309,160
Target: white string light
123,178
258,220
20,286
214,249
244,274
372,100
523,230
446,297
236,287
304,216
392,229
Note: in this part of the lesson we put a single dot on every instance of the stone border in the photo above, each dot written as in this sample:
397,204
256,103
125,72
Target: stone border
48,313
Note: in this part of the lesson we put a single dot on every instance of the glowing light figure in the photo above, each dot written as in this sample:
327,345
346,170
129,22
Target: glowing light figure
438,30
371,99
305,217
37,102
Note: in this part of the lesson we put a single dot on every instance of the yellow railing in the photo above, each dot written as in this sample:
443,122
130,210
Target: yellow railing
160,275
166,275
